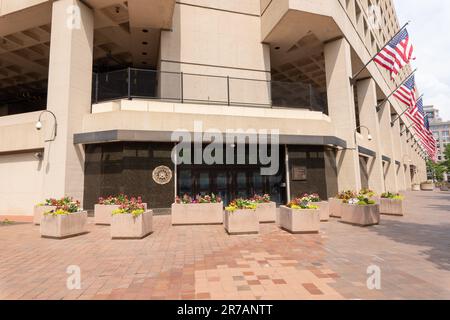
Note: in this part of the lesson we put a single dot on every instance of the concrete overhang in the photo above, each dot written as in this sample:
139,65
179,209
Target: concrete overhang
166,136
156,121
20,20
18,133
156,14
12,6
284,22
366,152
386,159
167,116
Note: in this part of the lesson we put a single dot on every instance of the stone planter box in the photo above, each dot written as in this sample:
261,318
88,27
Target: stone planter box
299,220
266,212
39,211
126,226
324,209
63,226
377,199
197,213
361,215
103,213
444,188
335,207
415,187
427,186
392,207
241,222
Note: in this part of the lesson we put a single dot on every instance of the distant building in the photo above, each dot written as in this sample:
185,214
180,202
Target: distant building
440,130
432,113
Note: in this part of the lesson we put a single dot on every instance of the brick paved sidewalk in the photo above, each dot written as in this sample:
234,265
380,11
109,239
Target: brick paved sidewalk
203,262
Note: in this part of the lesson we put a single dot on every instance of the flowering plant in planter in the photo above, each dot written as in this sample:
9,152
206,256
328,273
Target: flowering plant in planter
301,203
367,193
361,201
241,204
186,199
48,202
133,206
113,200
313,197
394,196
261,199
63,206
345,196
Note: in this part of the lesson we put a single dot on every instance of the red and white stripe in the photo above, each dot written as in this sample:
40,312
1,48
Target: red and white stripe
396,54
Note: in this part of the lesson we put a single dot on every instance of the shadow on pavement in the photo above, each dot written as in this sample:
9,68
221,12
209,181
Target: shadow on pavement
436,238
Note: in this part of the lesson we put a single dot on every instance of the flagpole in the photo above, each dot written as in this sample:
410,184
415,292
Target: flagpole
378,107
413,136
406,129
365,66
398,117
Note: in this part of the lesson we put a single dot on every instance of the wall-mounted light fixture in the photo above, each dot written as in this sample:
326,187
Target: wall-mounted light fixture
369,136
39,125
403,159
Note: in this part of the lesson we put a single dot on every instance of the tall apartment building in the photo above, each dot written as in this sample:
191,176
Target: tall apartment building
440,129
121,76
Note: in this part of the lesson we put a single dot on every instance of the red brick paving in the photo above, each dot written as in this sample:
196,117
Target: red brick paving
203,262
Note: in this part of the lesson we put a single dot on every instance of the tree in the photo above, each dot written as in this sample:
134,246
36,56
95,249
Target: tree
437,170
446,163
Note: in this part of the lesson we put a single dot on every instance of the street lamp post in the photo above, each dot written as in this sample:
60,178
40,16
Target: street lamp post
55,126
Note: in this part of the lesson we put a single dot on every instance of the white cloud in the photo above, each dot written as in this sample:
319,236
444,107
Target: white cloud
430,32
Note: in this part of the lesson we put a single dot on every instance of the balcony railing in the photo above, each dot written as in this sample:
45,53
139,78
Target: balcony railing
181,87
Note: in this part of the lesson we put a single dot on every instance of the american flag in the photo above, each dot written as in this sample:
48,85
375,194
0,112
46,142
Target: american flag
431,140
422,128
407,92
396,54
416,113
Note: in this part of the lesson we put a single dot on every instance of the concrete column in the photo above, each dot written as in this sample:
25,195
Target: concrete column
388,148
69,96
398,154
341,109
422,169
415,177
331,172
406,162
367,100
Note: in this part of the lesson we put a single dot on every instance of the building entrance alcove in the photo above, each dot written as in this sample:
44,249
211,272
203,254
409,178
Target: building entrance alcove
233,180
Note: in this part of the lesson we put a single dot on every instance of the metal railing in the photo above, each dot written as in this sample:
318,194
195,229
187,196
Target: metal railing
182,87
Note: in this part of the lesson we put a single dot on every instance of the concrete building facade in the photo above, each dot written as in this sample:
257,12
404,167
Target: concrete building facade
121,76
440,129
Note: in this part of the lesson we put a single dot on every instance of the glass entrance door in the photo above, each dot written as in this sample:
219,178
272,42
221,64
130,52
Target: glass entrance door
230,184
231,181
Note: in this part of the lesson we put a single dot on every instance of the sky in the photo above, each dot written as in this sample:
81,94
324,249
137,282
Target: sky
429,31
